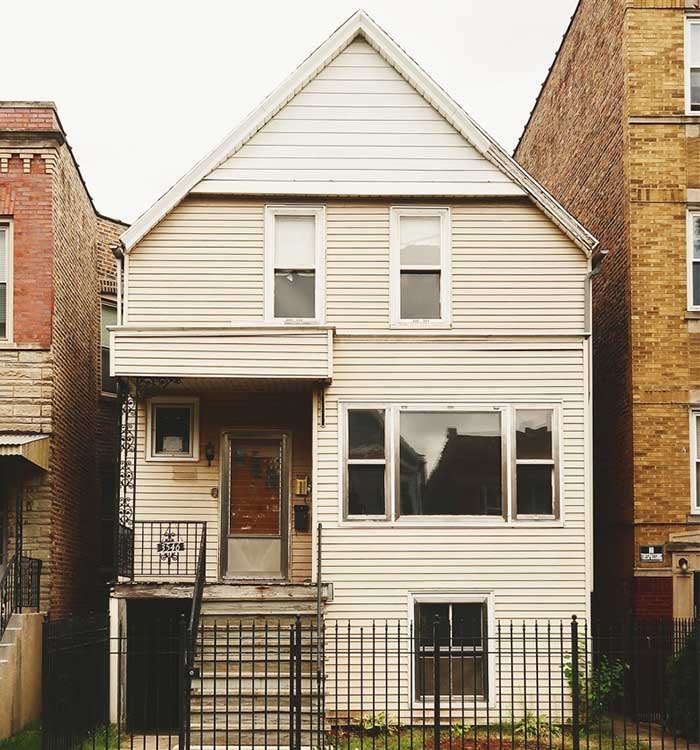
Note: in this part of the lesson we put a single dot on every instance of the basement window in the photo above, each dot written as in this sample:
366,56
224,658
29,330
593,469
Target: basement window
173,429
460,629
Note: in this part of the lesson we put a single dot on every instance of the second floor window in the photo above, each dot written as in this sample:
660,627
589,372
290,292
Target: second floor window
4,280
108,316
420,263
294,252
692,65
694,260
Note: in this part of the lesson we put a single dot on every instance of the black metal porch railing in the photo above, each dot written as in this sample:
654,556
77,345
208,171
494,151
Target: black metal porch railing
20,588
160,549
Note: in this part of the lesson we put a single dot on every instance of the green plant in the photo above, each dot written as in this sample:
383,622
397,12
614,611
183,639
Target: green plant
598,686
379,723
682,693
535,726
460,730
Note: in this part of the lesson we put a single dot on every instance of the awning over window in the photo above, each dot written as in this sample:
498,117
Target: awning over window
34,448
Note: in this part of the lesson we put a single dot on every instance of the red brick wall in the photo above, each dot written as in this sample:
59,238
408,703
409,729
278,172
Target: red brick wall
653,597
27,198
23,117
575,145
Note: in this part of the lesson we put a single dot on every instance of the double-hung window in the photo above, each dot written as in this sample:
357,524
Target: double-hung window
402,462
5,281
295,264
460,630
695,461
420,266
108,317
365,469
693,231
692,66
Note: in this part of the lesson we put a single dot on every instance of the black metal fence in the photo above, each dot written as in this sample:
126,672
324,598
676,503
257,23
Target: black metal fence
438,683
20,588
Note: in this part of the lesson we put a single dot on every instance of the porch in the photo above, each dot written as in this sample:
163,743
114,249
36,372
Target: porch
221,467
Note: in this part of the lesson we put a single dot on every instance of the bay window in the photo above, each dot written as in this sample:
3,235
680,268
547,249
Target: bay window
294,259
404,462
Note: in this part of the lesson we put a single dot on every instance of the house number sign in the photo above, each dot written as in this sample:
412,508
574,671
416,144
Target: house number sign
651,553
169,547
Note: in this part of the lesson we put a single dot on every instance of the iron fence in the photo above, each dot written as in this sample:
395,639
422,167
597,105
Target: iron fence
20,588
453,684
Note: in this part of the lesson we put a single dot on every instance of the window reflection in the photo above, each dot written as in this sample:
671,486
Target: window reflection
450,463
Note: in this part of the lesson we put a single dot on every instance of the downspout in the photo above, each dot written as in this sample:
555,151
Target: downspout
118,253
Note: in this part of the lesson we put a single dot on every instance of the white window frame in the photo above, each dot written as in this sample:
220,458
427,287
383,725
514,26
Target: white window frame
386,462
460,596
689,22
554,462
112,303
694,462
319,215
393,411
445,319
189,401
7,224
692,213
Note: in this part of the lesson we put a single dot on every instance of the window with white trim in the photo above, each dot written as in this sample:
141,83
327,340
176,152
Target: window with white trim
695,460
108,317
460,628
173,428
4,280
442,461
365,472
693,229
294,256
692,65
535,477
420,266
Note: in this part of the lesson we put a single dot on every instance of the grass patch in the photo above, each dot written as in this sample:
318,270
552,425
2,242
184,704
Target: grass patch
27,739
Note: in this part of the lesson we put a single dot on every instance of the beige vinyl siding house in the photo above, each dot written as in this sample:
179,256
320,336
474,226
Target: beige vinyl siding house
356,343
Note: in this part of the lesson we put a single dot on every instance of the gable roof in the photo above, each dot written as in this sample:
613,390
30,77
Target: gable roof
361,25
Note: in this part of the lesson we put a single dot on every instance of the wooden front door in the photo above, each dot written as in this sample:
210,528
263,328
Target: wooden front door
255,505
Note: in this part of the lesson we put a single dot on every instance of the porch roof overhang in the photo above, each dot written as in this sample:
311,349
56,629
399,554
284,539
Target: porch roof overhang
246,353
32,447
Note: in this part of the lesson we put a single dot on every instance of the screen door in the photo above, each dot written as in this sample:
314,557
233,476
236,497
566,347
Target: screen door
255,511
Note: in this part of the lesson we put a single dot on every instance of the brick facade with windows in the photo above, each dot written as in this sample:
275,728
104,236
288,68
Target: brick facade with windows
50,366
610,138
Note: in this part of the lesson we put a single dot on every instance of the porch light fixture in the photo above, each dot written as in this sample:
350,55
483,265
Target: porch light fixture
209,452
683,566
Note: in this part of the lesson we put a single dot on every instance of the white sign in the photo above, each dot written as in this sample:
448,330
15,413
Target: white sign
651,553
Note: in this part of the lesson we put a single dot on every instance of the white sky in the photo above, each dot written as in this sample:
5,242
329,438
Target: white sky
144,89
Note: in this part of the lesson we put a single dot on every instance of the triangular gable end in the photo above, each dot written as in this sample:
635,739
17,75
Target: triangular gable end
359,117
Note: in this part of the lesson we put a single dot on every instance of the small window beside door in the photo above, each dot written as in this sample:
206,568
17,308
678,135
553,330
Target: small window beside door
294,258
173,429
420,266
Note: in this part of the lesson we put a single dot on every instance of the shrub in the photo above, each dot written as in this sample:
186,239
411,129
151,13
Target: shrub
600,688
682,694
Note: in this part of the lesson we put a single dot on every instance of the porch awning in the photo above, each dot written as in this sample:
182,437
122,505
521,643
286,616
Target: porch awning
34,448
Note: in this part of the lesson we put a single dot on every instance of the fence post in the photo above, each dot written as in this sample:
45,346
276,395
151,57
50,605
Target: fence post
297,718
184,736
292,685
575,686
45,689
436,683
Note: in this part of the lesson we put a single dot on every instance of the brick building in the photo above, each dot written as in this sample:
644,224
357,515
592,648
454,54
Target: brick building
57,434
615,135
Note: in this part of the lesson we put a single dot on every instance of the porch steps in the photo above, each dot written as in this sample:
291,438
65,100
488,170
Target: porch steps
242,693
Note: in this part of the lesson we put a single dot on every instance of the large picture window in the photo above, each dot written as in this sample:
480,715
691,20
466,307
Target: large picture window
407,462
460,629
420,258
294,252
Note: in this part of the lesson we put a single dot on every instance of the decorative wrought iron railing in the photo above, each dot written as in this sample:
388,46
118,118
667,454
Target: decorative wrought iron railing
19,588
159,549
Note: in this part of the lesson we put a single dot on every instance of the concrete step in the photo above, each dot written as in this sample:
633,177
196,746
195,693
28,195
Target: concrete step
245,683
239,592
